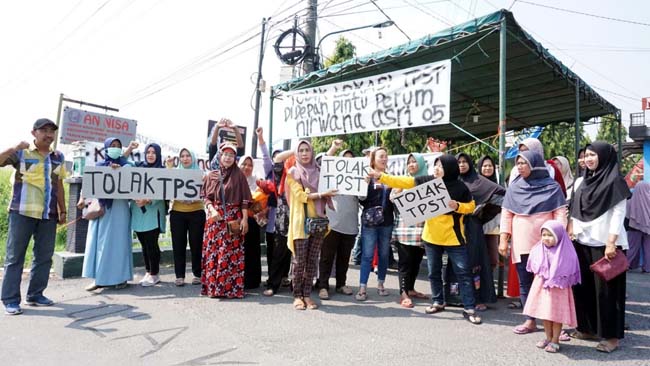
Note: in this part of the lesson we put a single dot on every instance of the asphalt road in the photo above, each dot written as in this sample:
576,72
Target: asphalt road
168,325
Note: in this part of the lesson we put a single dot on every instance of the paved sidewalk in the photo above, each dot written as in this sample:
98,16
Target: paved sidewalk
168,325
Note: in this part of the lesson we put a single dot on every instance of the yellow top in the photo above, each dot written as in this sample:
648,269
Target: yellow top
187,206
297,198
439,230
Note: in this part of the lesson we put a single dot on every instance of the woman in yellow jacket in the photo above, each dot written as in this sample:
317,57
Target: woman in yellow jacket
444,233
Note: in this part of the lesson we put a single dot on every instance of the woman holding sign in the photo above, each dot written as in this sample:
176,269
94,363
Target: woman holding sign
108,257
226,197
187,221
532,198
148,220
444,233
377,220
307,223
409,241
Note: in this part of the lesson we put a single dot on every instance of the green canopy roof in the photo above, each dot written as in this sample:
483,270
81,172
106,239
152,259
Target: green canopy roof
539,89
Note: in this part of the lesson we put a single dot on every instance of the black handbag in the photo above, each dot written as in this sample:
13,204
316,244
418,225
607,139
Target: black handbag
282,217
314,225
374,216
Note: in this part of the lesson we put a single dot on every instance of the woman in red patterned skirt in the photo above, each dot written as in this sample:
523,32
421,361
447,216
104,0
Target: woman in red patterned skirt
224,189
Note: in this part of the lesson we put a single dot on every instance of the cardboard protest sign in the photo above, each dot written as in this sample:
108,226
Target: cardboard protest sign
417,96
79,125
345,174
139,183
423,202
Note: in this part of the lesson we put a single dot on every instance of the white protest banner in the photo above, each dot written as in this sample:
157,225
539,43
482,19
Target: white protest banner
414,97
78,125
345,174
423,202
139,183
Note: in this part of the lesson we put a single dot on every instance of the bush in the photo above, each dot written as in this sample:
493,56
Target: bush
5,198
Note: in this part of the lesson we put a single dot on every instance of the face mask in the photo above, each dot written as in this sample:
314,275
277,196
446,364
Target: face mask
114,152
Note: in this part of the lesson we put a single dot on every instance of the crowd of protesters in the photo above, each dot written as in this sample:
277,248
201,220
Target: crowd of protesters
550,225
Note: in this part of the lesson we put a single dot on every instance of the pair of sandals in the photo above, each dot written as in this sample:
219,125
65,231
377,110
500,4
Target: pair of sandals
299,303
470,315
362,295
407,302
548,346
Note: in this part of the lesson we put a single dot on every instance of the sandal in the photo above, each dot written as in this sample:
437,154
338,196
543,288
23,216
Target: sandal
382,291
564,336
418,295
584,336
472,317
606,347
522,329
481,307
434,308
543,343
179,282
515,305
268,292
552,347
311,305
407,303
122,285
298,304
361,296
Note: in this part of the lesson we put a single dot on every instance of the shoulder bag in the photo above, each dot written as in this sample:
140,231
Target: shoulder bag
314,225
374,216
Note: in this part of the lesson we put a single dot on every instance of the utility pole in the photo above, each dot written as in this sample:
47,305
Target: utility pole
258,91
312,18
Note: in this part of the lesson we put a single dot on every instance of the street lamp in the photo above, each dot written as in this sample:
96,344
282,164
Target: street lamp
385,24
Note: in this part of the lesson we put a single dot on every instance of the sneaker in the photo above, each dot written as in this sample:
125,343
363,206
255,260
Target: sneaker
145,278
39,300
180,282
13,309
151,281
196,281
323,294
345,290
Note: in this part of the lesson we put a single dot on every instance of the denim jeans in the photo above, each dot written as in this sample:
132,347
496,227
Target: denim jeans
459,260
21,229
370,237
525,280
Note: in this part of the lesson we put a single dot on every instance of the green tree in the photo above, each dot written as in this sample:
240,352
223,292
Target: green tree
343,51
559,139
608,130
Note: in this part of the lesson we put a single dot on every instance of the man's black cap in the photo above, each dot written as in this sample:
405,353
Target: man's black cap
42,122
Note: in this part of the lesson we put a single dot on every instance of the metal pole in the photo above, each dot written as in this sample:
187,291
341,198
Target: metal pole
577,127
502,129
271,123
620,138
258,92
312,17
58,121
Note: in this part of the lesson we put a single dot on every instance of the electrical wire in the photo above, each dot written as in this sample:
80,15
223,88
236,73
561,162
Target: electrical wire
586,14
374,2
422,10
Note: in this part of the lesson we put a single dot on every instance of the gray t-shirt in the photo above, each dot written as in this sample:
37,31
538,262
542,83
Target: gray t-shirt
345,219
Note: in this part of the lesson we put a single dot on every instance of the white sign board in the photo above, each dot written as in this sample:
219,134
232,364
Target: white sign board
138,183
418,96
81,125
345,174
423,202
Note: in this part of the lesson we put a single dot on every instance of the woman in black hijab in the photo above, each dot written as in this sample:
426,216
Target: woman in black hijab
488,197
597,214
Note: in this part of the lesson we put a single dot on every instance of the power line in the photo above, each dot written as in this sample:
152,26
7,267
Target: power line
586,14
389,18
438,18
192,75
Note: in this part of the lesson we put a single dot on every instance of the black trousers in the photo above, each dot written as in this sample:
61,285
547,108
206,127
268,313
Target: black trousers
270,245
408,265
281,263
600,305
150,250
187,226
252,256
337,245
